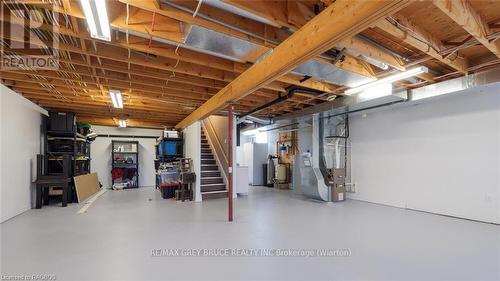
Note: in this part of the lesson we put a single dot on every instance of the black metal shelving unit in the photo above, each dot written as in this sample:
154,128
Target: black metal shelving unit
119,160
168,158
59,143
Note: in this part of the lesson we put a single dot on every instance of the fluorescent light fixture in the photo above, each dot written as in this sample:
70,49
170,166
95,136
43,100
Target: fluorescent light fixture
116,98
388,79
376,91
96,15
122,123
251,132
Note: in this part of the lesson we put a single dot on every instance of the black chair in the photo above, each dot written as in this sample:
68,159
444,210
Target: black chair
44,182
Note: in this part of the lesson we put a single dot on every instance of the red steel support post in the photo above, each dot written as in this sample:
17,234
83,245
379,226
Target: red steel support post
230,162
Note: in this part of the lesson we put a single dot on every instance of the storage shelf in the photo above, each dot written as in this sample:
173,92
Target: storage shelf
60,159
169,156
60,143
65,134
124,164
67,138
122,154
78,154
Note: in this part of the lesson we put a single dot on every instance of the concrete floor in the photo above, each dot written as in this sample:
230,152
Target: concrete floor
114,240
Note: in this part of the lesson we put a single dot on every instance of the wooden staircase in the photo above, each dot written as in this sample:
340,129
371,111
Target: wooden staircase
212,185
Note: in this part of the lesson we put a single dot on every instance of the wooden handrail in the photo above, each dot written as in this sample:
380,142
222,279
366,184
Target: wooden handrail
217,139
216,146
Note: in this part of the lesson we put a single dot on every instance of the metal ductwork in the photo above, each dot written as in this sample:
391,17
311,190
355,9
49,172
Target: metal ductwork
360,102
255,120
456,86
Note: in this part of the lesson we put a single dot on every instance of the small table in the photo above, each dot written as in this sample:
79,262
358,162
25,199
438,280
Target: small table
42,189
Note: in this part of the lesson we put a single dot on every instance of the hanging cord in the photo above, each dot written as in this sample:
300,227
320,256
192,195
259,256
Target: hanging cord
128,14
183,40
197,8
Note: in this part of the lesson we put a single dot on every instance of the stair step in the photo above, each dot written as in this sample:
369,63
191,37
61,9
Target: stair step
208,161
206,156
212,187
209,167
210,174
206,151
205,146
214,194
211,180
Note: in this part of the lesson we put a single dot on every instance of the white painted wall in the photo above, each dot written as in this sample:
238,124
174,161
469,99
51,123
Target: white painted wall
440,156
192,149
20,140
100,151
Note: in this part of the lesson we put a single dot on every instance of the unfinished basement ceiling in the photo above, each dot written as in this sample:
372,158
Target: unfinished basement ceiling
160,68
228,47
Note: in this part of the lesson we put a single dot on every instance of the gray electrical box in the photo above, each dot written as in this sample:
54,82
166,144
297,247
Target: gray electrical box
336,181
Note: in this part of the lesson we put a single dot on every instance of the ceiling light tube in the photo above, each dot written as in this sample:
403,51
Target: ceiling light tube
251,132
122,123
116,98
96,15
388,79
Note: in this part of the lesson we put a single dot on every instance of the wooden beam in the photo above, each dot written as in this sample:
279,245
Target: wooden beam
155,105
190,61
139,89
131,122
339,21
297,14
351,64
455,62
469,19
114,55
187,98
369,50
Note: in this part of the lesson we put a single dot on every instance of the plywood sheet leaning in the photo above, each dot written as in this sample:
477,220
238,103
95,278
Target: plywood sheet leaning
86,186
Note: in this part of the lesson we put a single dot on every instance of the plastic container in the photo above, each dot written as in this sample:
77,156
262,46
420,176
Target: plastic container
168,148
168,191
169,177
60,145
62,121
